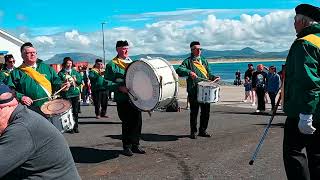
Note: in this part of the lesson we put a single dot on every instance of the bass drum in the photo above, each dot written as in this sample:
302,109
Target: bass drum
152,83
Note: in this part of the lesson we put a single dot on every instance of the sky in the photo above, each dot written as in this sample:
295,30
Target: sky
151,27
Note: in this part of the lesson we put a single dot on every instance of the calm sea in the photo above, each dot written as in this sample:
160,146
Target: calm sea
227,70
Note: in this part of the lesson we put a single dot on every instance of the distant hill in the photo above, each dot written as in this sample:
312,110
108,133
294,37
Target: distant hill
77,57
227,54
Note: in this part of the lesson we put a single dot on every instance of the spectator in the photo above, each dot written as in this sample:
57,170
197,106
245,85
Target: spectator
273,85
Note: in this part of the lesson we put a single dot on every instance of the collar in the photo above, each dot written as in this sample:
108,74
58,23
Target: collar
15,112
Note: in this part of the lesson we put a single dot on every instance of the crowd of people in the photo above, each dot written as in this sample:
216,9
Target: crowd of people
32,148
259,84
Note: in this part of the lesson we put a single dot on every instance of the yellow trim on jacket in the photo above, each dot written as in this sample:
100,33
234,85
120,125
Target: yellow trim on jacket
39,78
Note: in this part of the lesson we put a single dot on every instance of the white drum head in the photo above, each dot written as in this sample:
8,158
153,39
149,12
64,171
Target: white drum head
143,83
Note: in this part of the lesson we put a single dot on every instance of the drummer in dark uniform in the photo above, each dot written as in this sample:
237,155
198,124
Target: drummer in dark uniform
193,67
130,116
34,79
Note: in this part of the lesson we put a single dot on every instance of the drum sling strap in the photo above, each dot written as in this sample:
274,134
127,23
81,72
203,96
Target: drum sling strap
39,78
313,39
201,68
121,63
95,71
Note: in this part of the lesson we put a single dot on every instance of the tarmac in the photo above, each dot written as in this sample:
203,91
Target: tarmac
171,154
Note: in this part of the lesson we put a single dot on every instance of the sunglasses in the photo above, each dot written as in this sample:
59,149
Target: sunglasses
11,61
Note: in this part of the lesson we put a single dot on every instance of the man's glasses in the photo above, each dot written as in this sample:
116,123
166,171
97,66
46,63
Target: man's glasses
198,49
11,61
31,52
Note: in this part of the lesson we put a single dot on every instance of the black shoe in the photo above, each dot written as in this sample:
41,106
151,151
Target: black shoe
138,149
70,131
127,152
204,134
193,136
76,130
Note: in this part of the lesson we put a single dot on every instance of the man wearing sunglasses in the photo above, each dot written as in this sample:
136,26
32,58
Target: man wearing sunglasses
8,67
193,67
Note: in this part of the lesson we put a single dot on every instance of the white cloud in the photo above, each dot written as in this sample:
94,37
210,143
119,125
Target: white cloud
74,36
44,40
271,32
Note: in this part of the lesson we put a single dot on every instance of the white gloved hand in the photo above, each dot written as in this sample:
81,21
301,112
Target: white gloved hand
305,124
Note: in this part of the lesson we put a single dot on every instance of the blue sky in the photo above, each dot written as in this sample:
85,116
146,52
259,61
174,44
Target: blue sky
50,22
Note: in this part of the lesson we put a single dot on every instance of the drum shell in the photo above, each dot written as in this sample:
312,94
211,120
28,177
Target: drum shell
59,113
208,92
63,122
154,83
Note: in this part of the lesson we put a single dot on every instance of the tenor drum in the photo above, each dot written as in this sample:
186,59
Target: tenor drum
59,112
153,83
208,92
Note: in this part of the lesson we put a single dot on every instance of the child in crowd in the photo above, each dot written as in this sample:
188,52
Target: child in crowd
248,89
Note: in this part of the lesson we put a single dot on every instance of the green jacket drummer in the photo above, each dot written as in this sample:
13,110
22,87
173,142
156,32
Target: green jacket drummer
34,79
195,68
130,116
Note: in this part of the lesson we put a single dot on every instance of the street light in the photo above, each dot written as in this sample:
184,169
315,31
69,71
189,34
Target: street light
104,52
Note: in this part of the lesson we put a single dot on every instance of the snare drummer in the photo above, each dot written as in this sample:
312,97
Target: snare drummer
193,67
70,74
34,79
131,117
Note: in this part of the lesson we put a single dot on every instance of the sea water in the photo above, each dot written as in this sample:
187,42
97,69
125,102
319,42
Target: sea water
227,70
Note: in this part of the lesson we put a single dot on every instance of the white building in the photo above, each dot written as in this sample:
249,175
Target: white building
11,44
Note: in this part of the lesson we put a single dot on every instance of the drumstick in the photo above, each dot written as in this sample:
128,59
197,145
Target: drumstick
41,99
59,90
52,95
203,79
134,98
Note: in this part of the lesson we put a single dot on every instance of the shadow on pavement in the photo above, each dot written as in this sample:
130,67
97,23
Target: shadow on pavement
281,125
154,137
248,113
98,122
91,155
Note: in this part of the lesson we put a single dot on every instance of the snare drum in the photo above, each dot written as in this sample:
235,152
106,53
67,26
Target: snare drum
208,92
59,112
152,82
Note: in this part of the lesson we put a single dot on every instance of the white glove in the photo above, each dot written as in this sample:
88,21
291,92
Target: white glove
305,124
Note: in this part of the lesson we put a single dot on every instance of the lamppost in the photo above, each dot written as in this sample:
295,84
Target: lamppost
104,52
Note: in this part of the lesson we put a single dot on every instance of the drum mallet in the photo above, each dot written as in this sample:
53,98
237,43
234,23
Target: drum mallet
204,79
253,158
51,97
134,97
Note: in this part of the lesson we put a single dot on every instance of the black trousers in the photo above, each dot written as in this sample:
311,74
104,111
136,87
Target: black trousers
261,103
100,99
75,109
298,165
272,96
131,124
204,115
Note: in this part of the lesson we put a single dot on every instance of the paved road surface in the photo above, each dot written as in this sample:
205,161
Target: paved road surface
170,152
